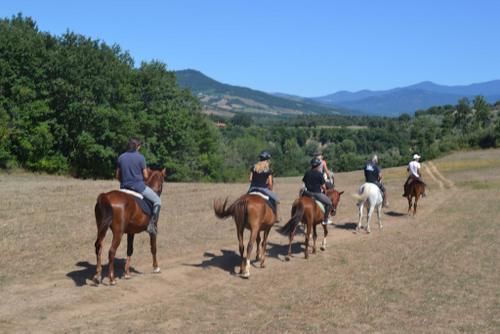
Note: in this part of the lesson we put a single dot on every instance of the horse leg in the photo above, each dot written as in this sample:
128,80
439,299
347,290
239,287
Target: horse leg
415,206
239,232
325,233
152,241
258,255
409,205
369,217
315,237
117,237
130,251
360,214
264,246
379,208
308,235
290,239
98,251
253,237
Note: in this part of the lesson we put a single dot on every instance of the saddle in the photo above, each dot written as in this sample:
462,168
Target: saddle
268,200
145,204
306,193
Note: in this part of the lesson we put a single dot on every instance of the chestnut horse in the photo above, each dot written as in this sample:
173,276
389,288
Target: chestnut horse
306,210
414,190
119,211
253,213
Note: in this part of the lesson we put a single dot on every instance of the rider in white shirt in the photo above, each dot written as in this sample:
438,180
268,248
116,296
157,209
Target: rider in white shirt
414,173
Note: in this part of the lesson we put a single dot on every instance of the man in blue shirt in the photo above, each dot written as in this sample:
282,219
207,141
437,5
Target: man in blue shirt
131,172
373,174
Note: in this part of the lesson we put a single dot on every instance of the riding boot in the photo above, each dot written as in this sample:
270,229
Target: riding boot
326,221
152,228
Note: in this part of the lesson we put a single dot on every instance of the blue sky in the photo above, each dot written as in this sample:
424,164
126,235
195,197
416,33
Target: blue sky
308,48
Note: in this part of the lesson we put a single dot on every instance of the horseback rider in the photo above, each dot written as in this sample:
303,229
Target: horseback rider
327,174
373,174
261,179
413,174
315,187
131,171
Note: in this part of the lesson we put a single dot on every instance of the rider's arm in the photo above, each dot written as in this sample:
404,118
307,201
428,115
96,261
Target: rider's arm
326,170
323,188
270,182
250,177
145,173
117,174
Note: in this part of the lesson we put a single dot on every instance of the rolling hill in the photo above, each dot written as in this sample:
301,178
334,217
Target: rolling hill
223,99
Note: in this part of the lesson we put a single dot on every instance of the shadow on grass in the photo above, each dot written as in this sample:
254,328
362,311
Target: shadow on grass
81,276
347,226
395,214
227,261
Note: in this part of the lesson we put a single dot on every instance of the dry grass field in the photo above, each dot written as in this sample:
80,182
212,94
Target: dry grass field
438,272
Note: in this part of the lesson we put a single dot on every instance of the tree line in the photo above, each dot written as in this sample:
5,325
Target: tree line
68,104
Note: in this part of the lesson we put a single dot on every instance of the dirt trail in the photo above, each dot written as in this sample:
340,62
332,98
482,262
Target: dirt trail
52,302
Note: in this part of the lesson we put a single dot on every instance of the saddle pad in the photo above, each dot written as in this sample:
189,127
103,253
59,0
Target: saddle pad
321,206
259,194
133,193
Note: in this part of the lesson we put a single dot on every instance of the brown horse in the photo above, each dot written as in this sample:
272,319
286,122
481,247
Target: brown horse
414,190
251,212
119,211
306,210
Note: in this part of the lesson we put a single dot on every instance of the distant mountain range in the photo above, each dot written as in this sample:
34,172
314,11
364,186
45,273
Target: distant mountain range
223,99
408,99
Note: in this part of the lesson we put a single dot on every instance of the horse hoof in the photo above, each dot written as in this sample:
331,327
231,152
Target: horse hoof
127,276
96,280
245,274
156,270
287,258
112,283
322,248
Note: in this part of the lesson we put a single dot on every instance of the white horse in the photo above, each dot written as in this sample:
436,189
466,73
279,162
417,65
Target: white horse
371,195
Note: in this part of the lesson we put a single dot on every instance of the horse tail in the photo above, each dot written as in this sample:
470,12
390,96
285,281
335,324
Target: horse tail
298,213
103,213
237,210
361,196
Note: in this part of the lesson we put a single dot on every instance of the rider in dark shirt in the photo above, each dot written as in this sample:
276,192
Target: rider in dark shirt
261,179
315,186
373,174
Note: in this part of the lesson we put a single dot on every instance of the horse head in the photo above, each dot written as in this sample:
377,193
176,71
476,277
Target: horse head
334,196
155,180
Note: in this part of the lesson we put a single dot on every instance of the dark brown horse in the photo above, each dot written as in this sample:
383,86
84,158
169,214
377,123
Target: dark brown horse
306,210
253,213
413,192
118,211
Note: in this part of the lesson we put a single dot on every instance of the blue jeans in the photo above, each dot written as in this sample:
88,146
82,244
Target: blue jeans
152,196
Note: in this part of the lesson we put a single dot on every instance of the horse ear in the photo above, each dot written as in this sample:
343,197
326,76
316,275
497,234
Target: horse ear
164,172
340,193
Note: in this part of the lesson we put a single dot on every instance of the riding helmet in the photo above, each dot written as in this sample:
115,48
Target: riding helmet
264,155
315,162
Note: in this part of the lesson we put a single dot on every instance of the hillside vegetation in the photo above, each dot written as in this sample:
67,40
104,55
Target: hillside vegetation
223,99
68,105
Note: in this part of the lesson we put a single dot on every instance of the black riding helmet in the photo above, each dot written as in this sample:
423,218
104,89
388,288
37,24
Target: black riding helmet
264,155
315,162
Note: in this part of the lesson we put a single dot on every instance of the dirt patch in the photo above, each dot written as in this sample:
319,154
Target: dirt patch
437,272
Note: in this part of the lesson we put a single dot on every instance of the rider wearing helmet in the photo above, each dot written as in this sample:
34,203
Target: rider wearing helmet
373,174
413,173
261,179
315,186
